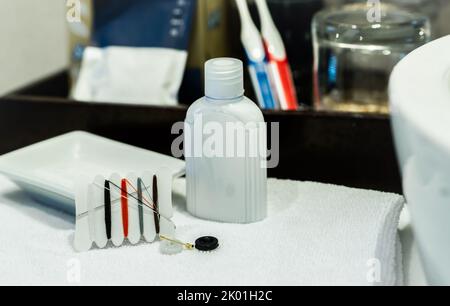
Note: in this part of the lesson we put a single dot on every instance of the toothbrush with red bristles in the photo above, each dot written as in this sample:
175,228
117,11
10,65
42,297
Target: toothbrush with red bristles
279,67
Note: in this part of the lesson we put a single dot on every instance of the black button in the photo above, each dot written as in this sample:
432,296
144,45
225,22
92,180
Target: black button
206,243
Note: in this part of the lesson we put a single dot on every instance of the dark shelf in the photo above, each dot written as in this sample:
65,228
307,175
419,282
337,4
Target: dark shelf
347,149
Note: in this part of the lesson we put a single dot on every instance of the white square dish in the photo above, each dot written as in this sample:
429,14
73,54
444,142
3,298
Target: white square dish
48,170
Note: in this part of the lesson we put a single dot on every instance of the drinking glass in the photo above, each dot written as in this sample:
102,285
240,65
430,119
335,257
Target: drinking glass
355,50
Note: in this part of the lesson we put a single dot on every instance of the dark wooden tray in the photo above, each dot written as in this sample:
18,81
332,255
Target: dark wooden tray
347,149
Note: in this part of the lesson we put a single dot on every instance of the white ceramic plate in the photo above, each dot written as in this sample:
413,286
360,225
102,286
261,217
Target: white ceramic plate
48,170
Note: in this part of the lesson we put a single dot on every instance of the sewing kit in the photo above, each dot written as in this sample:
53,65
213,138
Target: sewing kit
131,209
119,208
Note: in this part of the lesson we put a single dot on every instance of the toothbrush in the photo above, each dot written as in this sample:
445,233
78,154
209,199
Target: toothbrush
256,54
279,67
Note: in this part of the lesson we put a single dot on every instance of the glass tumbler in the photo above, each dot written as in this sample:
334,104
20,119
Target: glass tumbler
355,50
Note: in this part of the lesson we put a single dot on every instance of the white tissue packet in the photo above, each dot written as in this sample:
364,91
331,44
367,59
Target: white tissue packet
143,50
151,76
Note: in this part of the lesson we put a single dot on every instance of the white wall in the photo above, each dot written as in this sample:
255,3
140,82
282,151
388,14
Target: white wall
33,40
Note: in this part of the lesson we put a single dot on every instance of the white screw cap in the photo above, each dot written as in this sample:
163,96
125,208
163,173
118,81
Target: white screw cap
224,78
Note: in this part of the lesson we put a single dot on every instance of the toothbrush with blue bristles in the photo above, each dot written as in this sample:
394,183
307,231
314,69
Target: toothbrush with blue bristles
256,54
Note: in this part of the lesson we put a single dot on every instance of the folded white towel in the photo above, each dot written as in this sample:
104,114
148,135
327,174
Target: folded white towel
315,235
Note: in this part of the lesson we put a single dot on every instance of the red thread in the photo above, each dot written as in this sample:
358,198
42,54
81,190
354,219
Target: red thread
124,202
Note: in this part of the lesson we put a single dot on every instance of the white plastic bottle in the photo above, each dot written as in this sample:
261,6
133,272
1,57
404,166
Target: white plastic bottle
225,149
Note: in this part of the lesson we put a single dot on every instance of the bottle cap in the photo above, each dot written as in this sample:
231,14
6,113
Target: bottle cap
224,78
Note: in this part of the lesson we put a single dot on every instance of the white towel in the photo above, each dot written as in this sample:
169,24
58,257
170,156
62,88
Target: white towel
315,234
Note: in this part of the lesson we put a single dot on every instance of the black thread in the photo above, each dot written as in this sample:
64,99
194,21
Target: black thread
141,205
156,205
108,209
